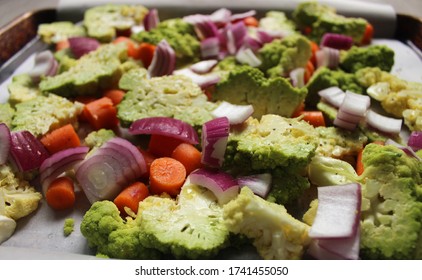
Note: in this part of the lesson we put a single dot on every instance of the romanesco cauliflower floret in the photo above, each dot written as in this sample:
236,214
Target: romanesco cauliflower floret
102,22
54,32
279,57
20,198
248,85
280,146
277,21
91,74
358,58
45,113
98,137
6,114
110,235
21,89
190,227
398,97
275,233
170,96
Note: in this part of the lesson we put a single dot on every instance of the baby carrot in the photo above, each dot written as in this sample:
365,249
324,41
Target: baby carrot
167,175
188,155
131,196
101,113
60,194
60,139
116,95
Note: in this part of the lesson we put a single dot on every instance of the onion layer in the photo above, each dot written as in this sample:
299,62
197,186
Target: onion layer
165,126
83,45
383,123
215,135
260,184
236,114
164,60
415,140
224,186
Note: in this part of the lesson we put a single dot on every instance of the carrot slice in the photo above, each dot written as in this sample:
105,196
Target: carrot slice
146,52
101,113
61,45
132,47
162,146
167,175
314,49
309,71
62,138
367,36
116,95
60,194
188,155
315,118
131,196
251,21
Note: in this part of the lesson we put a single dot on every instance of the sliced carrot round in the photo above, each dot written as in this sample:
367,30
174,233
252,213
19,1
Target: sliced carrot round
167,175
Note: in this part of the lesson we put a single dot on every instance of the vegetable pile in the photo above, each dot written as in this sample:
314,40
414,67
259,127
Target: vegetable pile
196,134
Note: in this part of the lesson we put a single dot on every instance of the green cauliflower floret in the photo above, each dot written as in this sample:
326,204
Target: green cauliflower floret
247,85
339,143
179,25
6,114
93,73
279,57
358,58
19,197
190,227
391,199
22,88
104,21
171,96
277,21
66,59
180,37
275,233
45,113
324,78
392,203
280,146
322,19
98,137
54,32
110,235
69,226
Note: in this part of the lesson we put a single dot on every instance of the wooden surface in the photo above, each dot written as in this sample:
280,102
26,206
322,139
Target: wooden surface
10,9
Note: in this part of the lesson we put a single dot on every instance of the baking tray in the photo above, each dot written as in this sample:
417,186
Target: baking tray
18,40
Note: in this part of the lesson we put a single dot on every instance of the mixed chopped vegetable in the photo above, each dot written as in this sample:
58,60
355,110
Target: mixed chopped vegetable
192,135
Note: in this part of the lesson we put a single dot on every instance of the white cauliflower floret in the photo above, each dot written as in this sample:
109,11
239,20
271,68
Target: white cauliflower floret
20,198
275,233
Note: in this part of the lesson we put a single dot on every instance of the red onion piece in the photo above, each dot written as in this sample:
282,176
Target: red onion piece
195,18
206,29
83,45
27,151
338,211
355,104
333,95
210,48
203,81
5,143
297,77
336,41
408,150
60,162
215,135
383,123
241,16
260,184
344,124
164,60
267,36
151,19
109,169
224,186
232,36
327,57
252,43
221,16
415,140
247,56
204,66
236,114
44,65
165,126
336,248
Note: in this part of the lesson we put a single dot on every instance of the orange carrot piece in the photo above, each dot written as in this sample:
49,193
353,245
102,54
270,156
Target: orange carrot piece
60,194
251,21
101,113
309,71
367,36
315,118
130,197
149,158
61,45
314,49
299,109
188,155
132,47
167,175
162,146
146,52
116,95
60,139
